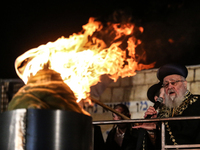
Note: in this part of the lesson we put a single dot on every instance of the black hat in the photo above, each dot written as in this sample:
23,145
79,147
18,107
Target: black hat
170,69
153,90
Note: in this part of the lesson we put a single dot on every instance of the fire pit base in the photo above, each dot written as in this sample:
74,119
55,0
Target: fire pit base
37,129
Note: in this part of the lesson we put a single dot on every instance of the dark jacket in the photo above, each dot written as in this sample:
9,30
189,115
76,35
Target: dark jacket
183,131
134,139
129,141
99,143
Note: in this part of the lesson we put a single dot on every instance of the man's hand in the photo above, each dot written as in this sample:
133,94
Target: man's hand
148,126
151,111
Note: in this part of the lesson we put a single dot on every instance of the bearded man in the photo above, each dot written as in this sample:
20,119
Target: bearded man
179,101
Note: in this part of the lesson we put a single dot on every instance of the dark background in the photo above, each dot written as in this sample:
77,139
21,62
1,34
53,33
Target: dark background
171,27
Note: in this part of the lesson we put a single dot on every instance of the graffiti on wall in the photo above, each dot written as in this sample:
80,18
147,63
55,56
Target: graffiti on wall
134,106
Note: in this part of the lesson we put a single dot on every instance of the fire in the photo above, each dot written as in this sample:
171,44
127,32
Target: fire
83,57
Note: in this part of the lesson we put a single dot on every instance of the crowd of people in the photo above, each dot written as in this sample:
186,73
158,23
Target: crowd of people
177,101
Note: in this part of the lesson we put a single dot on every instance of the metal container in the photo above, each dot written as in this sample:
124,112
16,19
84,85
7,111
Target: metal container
39,129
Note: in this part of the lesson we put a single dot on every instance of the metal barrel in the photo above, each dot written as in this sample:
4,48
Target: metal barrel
39,129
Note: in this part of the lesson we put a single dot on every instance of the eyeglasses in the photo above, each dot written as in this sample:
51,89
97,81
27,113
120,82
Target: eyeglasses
174,83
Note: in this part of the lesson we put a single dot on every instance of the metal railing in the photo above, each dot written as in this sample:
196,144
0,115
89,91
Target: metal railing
162,120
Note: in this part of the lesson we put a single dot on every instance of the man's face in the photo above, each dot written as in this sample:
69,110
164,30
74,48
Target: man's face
116,117
162,95
175,88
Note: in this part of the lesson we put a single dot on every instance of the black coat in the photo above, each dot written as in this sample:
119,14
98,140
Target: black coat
99,143
134,139
183,131
129,141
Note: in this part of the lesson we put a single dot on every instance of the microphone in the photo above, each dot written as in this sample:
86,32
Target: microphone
156,105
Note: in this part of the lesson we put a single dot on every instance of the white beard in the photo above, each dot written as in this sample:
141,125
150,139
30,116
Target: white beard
175,100
172,98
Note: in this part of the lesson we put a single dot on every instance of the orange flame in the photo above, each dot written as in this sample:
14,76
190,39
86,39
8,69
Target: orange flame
82,58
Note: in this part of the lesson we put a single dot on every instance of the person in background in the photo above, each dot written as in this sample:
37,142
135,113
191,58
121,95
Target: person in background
154,92
121,135
179,102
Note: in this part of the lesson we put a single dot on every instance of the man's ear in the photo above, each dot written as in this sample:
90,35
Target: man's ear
185,84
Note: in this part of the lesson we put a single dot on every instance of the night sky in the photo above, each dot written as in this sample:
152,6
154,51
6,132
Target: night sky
171,28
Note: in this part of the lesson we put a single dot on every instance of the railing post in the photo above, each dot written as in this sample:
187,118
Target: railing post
163,135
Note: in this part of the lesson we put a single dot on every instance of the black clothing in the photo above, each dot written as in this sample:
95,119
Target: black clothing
134,139
129,141
183,131
99,143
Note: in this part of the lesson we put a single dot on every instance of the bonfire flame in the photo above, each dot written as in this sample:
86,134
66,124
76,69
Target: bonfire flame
82,58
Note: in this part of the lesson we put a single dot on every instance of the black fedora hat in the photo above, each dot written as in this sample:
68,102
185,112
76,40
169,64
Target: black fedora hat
153,90
170,69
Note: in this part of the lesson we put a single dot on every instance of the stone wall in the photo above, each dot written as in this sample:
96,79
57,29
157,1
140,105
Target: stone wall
132,91
135,88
